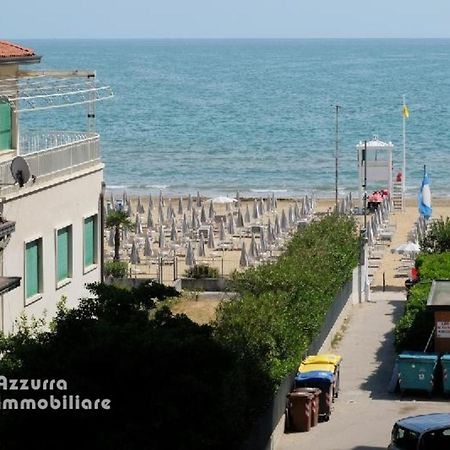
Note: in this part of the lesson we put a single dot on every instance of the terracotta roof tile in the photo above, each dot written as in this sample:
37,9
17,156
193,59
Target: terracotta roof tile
10,50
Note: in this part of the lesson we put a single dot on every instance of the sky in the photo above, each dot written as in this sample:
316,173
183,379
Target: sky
224,19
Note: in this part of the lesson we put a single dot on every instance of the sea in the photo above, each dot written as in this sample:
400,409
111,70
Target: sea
258,116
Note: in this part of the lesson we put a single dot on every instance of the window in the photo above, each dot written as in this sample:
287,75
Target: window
90,241
5,125
33,268
64,253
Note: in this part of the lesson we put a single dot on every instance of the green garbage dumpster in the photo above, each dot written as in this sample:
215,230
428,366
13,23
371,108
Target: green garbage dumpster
416,371
445,362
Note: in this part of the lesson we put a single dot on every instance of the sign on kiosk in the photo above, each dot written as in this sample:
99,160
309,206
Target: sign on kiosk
442,329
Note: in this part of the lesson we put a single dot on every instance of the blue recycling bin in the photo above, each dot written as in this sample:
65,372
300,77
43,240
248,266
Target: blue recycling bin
322,380
416,371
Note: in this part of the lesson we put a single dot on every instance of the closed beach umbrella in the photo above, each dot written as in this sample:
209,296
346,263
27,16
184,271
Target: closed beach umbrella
211,243
173,232
184,226
291,217
150,224
247,214
169,211
150,202
137,225
199,201
134,255
255,213
147,247
111,238
124,234
129,209
231,225
161,198
274,201
240,219
238,198
269,204
193,218
221,231
254,253
269,232
303,210
296,212
140,207
284,222
161,239
227,207
203,215
211,212
161,216
180,206
201,246
262,241
124,198
243,260
189,203
189,260
262,206
277,227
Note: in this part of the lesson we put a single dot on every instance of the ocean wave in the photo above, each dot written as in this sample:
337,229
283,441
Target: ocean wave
268,190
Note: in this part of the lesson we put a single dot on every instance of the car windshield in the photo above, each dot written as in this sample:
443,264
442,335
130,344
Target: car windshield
404,439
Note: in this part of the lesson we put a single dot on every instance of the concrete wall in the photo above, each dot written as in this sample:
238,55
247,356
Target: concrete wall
38,212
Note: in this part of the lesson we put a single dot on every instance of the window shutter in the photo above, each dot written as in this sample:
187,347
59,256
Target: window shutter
32,268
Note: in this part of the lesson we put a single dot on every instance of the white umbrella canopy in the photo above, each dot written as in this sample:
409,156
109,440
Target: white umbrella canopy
277,227
180,206
211,212
269,232
410,248
161,198
140,207
262,206
291,217
184,226
199,200
262,241
223,200
211,243
189,203
243,260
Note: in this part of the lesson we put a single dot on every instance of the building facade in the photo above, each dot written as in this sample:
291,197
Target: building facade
56,245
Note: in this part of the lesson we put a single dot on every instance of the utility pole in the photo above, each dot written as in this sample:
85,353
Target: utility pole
337,159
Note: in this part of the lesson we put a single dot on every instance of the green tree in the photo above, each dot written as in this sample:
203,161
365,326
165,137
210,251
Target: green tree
118,220
437,238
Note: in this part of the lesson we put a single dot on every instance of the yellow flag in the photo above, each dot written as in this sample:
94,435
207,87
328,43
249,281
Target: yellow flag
405,111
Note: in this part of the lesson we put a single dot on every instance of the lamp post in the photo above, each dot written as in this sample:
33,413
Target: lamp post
336,157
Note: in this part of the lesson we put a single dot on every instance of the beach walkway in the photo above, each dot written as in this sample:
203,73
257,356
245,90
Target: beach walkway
364,413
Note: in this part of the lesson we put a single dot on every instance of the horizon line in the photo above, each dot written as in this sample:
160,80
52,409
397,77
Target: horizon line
234,38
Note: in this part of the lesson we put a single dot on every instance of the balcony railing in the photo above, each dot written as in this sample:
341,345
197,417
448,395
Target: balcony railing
51,155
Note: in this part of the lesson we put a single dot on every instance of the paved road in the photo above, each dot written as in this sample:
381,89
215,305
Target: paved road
363,414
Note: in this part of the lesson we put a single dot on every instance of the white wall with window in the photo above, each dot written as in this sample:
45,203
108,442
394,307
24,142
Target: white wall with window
55,247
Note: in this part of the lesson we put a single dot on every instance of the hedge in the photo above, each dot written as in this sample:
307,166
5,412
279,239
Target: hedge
281,305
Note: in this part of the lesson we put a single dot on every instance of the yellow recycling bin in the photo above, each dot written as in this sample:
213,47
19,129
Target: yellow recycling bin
326,359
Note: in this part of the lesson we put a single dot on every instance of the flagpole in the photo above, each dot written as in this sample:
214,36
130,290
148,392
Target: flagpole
404,152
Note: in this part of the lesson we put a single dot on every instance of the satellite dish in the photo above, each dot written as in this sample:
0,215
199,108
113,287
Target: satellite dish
20,170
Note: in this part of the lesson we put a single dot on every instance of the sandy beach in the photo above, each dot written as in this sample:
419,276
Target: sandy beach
225,258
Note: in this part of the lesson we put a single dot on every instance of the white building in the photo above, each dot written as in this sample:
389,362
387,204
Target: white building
52,225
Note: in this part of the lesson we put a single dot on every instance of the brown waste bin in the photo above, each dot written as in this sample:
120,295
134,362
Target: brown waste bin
299,411
314,402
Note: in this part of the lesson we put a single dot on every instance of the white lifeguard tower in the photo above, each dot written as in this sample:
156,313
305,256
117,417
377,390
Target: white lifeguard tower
378,170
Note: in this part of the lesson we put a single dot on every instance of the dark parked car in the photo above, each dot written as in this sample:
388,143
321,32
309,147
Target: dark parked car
425,432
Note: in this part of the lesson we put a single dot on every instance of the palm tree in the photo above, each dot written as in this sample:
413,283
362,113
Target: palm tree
118,220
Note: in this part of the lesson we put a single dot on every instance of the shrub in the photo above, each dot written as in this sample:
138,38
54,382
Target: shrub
281,305
434,266
437,239
116,269
202,271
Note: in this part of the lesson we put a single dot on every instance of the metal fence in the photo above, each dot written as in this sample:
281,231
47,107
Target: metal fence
265,424
63,156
